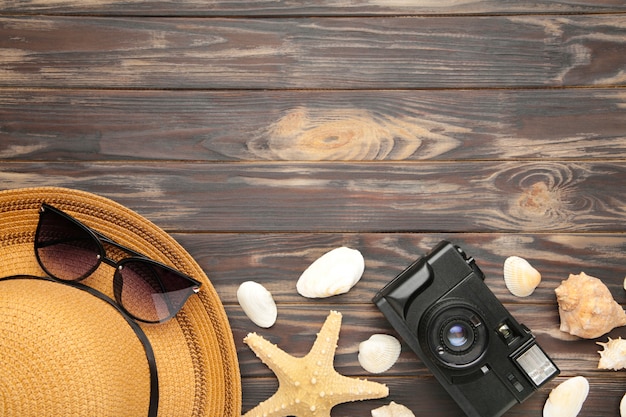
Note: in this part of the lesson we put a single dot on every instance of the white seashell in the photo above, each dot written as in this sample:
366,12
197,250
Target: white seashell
257,303
392,410
379,353
520,277
614,354
333,273
622,407
567,399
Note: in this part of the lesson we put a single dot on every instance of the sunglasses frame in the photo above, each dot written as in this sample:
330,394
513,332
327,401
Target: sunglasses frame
100,240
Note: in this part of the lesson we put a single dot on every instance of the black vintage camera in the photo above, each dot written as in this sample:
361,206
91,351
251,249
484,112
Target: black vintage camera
480,354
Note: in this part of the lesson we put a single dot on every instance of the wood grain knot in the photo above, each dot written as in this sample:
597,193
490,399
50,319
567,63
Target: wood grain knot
350,135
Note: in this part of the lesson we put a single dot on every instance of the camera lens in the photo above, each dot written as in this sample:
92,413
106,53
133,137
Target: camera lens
458,335
455,333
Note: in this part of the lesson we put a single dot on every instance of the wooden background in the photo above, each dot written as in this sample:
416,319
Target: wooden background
262,134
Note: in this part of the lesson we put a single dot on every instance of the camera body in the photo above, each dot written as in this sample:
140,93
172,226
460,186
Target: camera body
479,353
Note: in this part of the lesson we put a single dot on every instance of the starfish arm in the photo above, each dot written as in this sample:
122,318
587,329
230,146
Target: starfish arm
323,350
271,355
345,389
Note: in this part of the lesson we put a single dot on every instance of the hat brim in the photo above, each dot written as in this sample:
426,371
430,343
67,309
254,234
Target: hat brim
195,352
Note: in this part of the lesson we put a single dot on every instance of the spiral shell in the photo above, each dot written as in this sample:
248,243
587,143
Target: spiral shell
614,354
520,277
566,400
393,409
379,353
335,272
587,308
622,407
258,304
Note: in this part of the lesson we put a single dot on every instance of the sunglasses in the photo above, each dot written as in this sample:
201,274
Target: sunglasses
147,290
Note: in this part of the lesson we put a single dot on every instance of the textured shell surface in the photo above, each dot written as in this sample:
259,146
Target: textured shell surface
393,409
614,354
566,400
333,273
587,308
258,304
379,353
520,277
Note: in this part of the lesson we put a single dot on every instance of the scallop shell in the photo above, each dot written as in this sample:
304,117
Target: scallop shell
393,409
587,308
567,398
622,407
379,353
614,354
335,272
520,277
258,304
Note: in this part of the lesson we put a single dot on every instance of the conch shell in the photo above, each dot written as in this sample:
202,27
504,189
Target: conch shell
258,304
520,277
378,353
393,409
622,406
567,398
614,354
335,272
587,308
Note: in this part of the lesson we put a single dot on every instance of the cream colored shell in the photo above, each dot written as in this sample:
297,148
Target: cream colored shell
393,409
258,304
520,277
379,353
566,400
335,272
587,308
622,407
614,354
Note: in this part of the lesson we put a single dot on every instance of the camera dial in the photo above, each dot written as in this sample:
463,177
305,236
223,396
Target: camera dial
454,333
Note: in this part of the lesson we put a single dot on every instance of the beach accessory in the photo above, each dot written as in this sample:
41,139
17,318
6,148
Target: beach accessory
64,351
147,290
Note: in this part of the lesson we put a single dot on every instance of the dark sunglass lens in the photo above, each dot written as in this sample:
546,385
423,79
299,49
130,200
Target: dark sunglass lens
150,292
64,249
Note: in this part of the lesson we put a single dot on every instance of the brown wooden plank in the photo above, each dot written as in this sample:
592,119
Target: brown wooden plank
297,326
297,8
448,196
313,125
425,397
411,52
278,259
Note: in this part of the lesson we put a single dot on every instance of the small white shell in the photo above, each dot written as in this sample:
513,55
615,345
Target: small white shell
614,354
257,303
622,407
392,410
567,399
379,353
520,277
333,273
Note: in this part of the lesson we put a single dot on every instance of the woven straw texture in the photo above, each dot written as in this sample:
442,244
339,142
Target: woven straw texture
85,358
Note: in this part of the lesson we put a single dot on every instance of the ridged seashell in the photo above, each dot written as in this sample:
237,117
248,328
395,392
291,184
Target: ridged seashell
614,354
379,353
333,273
520,277
258,304
587,308
622,407
567,398
393,409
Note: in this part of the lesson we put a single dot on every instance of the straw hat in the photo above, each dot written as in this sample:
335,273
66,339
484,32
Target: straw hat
66,352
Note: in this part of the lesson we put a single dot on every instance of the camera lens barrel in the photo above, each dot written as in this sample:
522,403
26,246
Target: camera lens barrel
455,333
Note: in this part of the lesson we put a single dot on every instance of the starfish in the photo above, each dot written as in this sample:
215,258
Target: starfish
309,386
